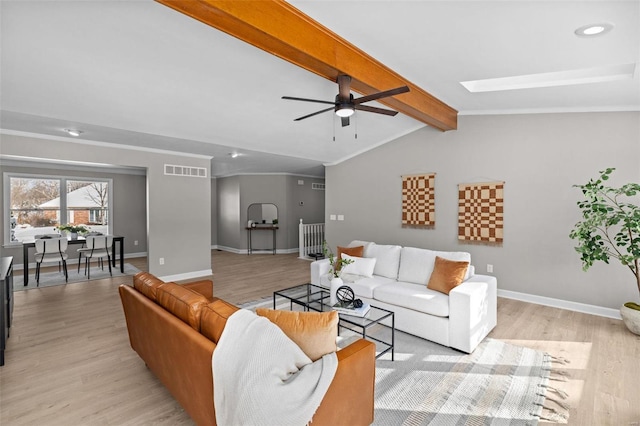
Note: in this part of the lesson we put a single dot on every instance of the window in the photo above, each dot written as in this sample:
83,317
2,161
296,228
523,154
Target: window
38,204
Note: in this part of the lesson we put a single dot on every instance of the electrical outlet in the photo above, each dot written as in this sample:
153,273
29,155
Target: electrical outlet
161,260
340,217
332,217
135,243
489,267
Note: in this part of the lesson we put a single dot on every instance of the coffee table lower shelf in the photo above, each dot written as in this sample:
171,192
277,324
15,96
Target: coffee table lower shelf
316,298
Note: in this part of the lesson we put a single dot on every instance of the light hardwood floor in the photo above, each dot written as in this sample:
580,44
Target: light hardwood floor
69,361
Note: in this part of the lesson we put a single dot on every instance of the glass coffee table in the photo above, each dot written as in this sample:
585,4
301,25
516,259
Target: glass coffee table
311,297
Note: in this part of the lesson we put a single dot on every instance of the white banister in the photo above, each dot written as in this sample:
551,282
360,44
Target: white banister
310,239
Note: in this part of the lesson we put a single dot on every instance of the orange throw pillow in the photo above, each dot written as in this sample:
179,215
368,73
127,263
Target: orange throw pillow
351,251
314,332
447,274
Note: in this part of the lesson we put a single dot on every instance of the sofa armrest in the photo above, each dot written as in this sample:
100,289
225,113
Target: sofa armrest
349,399
473,311
204,287
318,269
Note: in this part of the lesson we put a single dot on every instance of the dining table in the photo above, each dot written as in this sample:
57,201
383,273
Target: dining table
26,245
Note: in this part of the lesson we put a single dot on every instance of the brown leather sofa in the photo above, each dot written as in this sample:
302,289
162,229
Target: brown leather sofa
174,329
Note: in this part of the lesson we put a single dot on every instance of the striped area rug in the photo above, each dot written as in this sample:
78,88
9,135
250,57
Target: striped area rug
430,384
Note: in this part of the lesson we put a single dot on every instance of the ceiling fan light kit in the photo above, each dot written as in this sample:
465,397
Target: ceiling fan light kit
346,105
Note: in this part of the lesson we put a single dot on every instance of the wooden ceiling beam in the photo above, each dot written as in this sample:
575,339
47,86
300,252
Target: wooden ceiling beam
278,28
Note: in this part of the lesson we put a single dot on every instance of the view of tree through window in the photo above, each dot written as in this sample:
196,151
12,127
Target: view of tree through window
37,205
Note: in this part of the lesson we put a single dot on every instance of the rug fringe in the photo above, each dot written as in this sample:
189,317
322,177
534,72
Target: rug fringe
553,415
560,375
562,394
559,360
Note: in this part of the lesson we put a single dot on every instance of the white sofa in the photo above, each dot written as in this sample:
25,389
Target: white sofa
398,283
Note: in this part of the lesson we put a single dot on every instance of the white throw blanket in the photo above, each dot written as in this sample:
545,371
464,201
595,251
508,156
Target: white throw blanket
261,377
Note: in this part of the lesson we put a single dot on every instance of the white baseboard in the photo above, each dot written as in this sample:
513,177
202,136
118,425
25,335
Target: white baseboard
562,304
187,275
245,251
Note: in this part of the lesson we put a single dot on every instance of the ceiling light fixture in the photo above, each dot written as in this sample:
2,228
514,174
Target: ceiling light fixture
234,154
345,110
593,30
74,132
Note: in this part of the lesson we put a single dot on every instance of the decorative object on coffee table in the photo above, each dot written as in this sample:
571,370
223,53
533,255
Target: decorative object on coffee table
335,271
611,229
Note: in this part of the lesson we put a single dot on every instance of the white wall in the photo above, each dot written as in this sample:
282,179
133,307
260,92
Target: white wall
538,156
178,208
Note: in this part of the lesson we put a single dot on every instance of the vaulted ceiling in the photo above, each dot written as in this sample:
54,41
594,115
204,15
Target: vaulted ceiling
143,74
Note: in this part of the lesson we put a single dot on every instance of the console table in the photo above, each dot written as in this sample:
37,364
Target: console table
6,297
250,229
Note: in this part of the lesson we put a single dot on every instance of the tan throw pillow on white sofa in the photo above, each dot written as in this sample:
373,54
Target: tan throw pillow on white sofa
447,274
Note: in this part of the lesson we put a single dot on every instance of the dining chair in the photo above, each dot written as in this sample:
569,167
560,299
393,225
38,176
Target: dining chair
97,246
51,250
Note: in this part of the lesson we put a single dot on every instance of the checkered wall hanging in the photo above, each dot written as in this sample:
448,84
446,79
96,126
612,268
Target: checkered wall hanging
480,212
418,200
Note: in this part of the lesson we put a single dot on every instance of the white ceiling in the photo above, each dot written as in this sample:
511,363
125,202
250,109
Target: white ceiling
139,73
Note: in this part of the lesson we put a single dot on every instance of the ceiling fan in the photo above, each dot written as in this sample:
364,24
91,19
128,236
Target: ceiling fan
345,105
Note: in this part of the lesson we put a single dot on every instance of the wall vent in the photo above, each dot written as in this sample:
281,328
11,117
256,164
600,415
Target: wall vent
172,169
318,186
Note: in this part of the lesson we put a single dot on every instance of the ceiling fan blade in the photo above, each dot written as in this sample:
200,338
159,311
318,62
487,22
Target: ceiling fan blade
344,87
314,113
291,98
345,121
380,95
376,110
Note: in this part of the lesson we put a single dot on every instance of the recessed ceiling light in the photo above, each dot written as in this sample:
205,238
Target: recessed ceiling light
74,132
593,30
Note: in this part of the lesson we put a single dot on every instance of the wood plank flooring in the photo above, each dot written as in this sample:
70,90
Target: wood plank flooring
69,361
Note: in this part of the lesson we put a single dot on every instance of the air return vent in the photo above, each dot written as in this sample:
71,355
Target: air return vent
172,169
318,186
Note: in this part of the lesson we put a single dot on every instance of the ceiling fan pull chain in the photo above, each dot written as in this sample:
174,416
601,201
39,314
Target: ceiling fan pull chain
334,128
355,118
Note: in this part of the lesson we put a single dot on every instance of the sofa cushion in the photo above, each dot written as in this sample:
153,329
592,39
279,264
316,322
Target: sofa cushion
365,244
387,259
357,251
413,296
314,332
147,284
447,274
416,264
214,317
180,301
360,265
363,286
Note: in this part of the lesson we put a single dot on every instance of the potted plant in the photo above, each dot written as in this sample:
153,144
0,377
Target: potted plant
335,272
74,230
611,229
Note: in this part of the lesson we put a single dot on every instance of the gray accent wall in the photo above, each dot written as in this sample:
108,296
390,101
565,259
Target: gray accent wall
538,156
237,193
178,208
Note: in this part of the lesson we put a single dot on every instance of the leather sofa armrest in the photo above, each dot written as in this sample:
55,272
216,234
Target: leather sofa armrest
318,269
349,399
204,287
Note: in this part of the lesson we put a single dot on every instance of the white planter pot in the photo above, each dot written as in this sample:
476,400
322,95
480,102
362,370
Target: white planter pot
335,284
631,319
